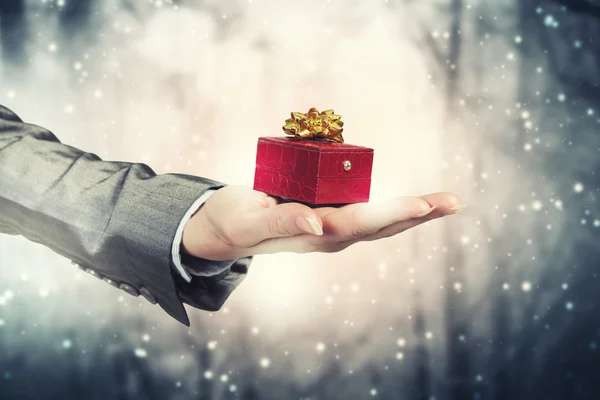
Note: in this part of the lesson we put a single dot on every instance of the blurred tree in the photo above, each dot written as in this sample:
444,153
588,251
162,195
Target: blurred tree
458,368
75,17
447,58
422,369
13,31
587,7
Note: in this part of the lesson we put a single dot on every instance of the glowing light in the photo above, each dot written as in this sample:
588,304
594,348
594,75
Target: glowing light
141,353
265,362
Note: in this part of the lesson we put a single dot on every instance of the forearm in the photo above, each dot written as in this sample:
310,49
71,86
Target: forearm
117,218
54,193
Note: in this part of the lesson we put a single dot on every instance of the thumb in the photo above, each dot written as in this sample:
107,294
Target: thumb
288,219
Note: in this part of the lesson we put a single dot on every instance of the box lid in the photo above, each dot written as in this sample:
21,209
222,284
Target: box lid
314,157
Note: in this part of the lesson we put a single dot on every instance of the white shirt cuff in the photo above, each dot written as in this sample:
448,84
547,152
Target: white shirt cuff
179,235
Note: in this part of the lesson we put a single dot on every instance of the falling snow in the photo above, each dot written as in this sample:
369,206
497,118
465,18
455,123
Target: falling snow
188,88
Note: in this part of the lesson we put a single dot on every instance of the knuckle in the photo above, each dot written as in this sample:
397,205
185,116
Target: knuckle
303,246
358,230
318,245
277,225
386,233
334,247
229,233
307,247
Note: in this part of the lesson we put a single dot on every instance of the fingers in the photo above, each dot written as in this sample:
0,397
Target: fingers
341,233
363,219
443,204
398,227
283,220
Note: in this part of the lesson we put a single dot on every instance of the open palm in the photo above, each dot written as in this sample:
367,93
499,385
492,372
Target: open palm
237,221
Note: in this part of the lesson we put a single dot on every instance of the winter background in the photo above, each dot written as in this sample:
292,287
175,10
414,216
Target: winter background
496,100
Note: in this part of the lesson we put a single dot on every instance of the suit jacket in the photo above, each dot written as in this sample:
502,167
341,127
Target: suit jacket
116,220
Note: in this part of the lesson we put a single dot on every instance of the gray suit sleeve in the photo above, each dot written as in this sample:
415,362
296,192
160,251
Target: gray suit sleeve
116,220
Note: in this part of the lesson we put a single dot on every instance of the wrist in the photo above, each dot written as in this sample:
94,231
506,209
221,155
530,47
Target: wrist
201,239
195,240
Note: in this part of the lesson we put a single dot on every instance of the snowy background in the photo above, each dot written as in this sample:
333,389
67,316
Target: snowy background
496,100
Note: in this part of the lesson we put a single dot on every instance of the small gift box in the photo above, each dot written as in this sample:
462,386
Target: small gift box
314,166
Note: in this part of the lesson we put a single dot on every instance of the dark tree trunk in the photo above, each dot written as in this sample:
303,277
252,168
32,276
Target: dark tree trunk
13,31
422,367
458,367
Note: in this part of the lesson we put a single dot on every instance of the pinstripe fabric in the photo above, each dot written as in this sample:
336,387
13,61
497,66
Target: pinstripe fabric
117,218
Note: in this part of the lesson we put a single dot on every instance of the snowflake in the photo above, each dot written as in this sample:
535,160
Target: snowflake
141,353
265,362
320,347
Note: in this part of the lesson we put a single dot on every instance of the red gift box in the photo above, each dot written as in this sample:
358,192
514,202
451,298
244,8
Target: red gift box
313,171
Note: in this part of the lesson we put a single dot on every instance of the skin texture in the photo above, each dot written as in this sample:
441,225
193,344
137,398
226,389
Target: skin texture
237,221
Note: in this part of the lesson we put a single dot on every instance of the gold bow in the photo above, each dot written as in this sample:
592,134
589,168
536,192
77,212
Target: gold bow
315,125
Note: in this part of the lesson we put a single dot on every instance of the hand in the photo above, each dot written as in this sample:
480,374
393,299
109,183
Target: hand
237,221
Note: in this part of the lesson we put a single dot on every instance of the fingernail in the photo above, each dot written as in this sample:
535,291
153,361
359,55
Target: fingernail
458,208
309,225
426,212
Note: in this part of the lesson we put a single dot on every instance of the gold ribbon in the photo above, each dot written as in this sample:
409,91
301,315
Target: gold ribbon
315,125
